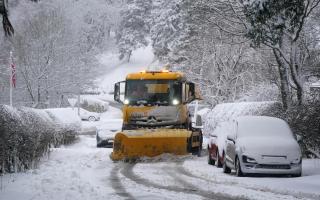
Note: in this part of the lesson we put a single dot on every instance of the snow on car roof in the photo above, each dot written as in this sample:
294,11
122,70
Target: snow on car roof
262,126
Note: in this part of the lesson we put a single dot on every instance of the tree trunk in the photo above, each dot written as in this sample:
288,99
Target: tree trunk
294,73
129,56
39,95
284,84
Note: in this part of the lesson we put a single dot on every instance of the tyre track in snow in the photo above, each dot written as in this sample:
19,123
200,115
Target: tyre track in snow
188,188
181,170
117,185
210,195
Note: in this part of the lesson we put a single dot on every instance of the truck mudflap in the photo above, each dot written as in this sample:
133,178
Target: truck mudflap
133,144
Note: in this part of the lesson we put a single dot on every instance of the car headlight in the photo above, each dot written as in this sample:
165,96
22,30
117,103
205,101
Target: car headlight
247,159
296,161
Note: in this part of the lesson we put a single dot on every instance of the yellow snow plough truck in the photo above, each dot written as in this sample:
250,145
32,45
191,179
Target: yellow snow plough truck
155,116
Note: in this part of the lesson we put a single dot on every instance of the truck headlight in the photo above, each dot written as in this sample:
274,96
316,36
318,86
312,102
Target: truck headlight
126,101
175,102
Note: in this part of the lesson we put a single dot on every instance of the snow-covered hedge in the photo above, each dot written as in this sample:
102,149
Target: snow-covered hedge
305,121
228,111
26,134
93,104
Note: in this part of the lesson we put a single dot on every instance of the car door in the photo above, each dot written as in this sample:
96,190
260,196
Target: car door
231,145
213,143
234,142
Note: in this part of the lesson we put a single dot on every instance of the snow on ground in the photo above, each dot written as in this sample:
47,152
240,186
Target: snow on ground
78,171
111,118
304,187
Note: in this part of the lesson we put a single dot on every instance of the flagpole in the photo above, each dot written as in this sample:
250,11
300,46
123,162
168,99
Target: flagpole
10,78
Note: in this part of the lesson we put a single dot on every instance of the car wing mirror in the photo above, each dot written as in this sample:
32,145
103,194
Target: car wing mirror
298,137
231,138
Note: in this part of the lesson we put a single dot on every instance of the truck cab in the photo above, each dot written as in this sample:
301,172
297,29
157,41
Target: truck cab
154,99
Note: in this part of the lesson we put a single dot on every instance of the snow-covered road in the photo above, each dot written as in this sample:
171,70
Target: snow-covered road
81,171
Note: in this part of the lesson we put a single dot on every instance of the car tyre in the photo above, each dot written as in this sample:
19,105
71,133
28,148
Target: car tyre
210,160
238,168
226,169
218,162
92,119
296,175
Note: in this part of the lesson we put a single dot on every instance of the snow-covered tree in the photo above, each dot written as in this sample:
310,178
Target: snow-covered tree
7,27
168,28
134,27
279,25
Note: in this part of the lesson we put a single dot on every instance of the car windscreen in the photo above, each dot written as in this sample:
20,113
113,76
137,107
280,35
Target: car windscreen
154,92
263,128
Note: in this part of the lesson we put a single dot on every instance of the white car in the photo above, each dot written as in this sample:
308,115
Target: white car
262,145
105,136
87,115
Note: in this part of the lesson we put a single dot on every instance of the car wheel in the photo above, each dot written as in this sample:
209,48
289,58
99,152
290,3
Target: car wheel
226,169
238,168
218,162
92,119
210,160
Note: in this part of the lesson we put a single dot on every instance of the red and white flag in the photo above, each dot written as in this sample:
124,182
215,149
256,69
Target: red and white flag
13,73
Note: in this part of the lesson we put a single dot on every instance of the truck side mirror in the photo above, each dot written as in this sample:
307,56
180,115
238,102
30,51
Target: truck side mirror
116,93
193,93
119,89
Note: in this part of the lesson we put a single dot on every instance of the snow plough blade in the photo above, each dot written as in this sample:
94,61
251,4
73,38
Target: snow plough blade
133,144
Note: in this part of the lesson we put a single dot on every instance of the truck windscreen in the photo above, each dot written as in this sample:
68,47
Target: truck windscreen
153,92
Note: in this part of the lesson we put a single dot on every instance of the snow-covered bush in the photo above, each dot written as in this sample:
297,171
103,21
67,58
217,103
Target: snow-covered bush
305,121
66,122
93,104
26,135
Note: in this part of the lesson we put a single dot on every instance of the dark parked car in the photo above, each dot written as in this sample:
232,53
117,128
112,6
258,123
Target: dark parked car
216,144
